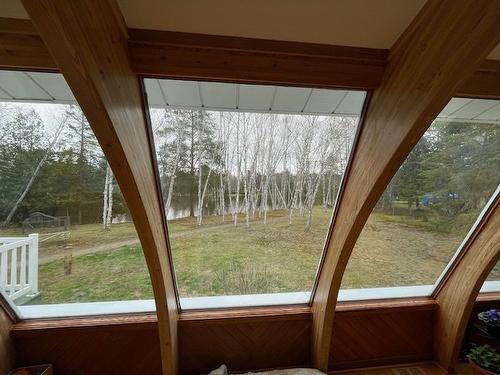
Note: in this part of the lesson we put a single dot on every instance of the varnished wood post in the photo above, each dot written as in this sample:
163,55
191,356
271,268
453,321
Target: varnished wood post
457,295
447,41
88,41
7,351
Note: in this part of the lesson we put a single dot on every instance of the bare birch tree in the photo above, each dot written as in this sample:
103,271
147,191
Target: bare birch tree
107,207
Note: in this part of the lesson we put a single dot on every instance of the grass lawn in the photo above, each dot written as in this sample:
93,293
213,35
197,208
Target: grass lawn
217,259
105,276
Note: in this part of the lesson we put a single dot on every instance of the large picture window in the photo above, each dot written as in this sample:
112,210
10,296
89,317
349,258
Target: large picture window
249,176
430,205
67,242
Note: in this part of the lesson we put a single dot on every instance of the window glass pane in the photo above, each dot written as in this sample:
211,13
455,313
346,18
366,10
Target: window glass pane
66,233
432,202
492,283
249,177
494,274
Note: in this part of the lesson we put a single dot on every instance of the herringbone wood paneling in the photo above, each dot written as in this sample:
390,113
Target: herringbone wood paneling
367,334
131,349
246,345
366,339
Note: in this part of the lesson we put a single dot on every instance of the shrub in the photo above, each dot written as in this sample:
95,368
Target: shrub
240,279
486,357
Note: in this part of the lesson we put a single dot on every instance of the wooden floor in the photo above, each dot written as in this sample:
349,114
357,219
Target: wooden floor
410,369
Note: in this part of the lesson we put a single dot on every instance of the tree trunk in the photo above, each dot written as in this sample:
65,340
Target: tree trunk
201,193
202,197
107,208
80,166
221,197
192,170
173,174
105,200
238,176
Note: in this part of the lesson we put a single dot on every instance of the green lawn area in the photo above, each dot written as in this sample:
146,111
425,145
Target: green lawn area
105,276
219,259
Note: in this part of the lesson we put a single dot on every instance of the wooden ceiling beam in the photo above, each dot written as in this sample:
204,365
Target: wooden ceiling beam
88,41
243,60
21,47
209,57
444,45
484,83
458,294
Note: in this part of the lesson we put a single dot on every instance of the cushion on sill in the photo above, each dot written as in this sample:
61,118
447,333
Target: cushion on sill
296,371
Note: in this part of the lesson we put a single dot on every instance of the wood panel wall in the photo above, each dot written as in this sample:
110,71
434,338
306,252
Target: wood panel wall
130,346
126,347
364,337
245,343
391,334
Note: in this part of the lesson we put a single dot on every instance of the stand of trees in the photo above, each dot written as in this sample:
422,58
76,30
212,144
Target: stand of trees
250,163
246,164
236,165
55,167
454,169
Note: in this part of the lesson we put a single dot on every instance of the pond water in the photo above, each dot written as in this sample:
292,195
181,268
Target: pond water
179,207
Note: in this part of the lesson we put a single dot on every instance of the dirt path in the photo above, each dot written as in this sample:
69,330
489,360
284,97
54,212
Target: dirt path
110,246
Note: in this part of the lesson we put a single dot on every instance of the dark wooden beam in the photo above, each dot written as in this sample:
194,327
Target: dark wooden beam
88,41
484,83
207,57
444,45
458,294
21,47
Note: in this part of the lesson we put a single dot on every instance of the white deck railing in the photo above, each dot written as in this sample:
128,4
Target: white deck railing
19,266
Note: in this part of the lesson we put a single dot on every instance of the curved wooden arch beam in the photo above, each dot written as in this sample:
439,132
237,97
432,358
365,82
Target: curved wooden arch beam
457,295
88,41
447,41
